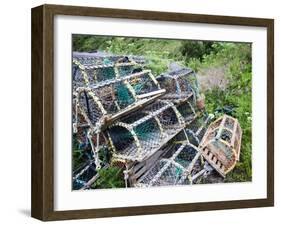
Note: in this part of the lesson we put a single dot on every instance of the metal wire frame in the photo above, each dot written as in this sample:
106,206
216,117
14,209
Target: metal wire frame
139,136
180,84
221,144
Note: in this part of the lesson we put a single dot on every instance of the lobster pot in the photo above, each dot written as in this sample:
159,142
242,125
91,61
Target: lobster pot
84,75
180,84
174,168
221,144
140,135
111,99
99,57
87,71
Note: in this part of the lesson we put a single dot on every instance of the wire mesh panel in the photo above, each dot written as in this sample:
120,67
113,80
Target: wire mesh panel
141,134
180,84
174,168
187,109
221,143
196,129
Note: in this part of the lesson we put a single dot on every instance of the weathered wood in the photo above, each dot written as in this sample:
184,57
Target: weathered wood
161,91
219,151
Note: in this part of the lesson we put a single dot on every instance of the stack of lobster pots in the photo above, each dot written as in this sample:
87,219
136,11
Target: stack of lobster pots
154,127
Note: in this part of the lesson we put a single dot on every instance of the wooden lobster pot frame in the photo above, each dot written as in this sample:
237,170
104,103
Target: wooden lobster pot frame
179,84
221,144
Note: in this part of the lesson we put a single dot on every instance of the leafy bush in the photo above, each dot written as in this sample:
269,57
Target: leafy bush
196,49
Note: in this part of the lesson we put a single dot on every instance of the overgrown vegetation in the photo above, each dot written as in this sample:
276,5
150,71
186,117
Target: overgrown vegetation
233,58
235,99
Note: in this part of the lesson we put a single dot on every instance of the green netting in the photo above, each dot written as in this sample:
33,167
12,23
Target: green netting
121,137
183,162
124,96
178,171
107,61
138,87
147,130
105,73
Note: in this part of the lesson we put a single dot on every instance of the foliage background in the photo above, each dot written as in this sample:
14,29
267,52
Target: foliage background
224,71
